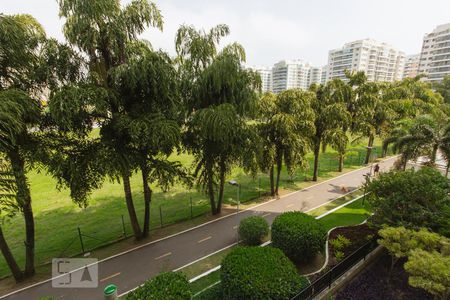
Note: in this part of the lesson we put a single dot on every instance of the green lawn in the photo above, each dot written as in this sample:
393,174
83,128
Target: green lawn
57,218
352,214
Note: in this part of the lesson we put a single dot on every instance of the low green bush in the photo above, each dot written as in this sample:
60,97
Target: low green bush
340,242
168,286
259,273
252,230
298,235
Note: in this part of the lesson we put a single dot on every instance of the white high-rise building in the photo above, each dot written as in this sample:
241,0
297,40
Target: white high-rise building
379,61
411,66
323,78
435,55
266,77
290,74
315,75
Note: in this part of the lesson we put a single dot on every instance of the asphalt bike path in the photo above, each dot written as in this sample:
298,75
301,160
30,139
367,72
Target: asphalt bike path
129,269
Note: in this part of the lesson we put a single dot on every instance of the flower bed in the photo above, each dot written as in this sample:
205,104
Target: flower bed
357,235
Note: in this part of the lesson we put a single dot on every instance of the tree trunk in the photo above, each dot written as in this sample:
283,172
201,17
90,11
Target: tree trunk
272,183
341,162
147,201
324,147
405,162
210,187
24,200
9,258
384,151
316,161
221,186
279,166
130,206
434,154
369,149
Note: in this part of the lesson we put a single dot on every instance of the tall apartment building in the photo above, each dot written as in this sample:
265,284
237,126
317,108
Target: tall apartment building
266,77
324,78
435,55
380,61
290,74
315,75
411,66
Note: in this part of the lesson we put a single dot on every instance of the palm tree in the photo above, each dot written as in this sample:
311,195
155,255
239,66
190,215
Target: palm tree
428,135
286,126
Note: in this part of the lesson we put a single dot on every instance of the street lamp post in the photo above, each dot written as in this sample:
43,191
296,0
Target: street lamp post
236,184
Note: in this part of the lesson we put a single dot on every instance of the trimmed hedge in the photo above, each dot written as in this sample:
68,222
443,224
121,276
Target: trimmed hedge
252,230
169,286
298,235
259,273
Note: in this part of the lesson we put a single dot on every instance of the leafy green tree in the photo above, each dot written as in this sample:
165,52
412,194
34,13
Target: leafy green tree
400,241
8,208
331,117
30,63
428,135
427,254
409,99
429,271
393,137
218,95
286,124
147,85
412,199
107,35
443,88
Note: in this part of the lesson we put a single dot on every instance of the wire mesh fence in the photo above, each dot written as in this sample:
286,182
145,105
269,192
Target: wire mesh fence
83,239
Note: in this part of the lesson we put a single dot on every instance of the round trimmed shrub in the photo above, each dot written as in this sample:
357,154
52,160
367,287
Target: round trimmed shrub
169,285
259,273
298,235
252,230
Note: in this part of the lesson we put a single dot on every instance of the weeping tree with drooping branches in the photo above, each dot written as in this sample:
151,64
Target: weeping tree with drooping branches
30,66
218,95
286,125
116,87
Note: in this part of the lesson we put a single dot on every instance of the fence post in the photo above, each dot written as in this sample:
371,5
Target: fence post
81,239
123,227
160,216
190,201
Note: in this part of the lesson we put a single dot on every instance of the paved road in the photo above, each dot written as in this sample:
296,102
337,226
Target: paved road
132,268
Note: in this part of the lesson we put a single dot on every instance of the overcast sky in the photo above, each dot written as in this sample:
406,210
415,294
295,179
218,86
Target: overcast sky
272,30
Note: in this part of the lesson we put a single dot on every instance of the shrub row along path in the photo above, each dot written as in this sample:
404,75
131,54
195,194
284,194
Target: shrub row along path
131,268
